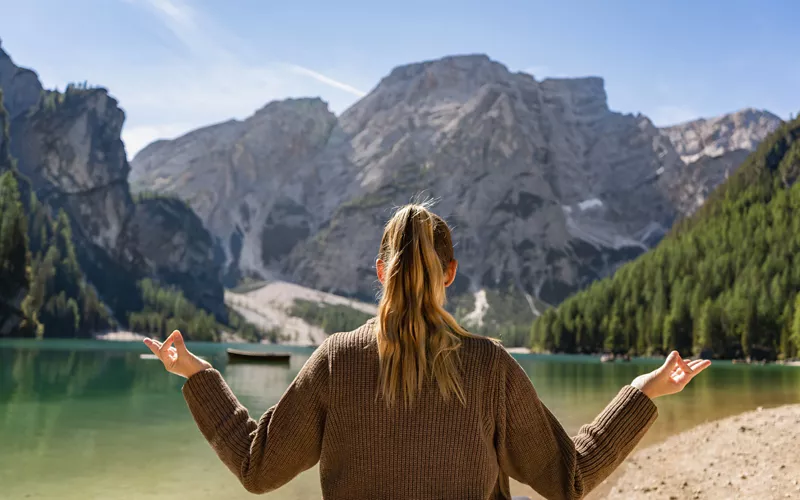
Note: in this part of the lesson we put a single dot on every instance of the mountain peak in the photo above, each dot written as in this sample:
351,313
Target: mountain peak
464,64
21,86
743,129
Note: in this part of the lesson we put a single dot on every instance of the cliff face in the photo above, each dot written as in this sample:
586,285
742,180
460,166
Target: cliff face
243,177
713,137
547,188
68,144
175,247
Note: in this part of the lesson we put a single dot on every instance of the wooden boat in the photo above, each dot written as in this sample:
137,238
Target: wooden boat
258,357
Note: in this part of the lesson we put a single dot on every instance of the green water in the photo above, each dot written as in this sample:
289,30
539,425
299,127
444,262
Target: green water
91,420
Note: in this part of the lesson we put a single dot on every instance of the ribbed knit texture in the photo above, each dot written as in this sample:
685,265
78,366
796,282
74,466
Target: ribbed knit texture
433,450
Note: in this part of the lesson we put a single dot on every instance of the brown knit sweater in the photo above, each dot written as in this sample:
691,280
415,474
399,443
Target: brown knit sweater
435,450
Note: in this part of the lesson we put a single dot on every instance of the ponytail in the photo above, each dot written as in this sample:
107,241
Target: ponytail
417,337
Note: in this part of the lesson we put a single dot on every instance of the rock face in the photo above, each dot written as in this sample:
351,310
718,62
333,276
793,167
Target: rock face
239,180
68,144
712,149
176,248
546,187
713,137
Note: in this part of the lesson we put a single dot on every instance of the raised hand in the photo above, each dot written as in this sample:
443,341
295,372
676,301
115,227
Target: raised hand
671,377
176,358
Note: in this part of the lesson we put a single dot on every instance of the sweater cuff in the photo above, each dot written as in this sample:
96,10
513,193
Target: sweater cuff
631,411
209,399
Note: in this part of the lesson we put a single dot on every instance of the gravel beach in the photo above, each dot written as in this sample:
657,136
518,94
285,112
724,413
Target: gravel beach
752,455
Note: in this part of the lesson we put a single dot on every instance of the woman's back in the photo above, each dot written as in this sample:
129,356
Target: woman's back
432,449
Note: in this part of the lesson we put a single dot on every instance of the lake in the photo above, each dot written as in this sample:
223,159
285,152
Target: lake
90,419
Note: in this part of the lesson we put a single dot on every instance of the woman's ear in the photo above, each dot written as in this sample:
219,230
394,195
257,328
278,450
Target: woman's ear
379,267
450,274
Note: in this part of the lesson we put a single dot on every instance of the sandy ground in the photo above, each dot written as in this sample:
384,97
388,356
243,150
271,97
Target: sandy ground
120,336
752,455
518,350
267,307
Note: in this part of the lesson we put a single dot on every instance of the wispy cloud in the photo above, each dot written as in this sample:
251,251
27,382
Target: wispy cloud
543,71
212,79
190,27
327,80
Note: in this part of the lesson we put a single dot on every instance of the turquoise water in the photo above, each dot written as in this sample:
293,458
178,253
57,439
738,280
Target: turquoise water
90,419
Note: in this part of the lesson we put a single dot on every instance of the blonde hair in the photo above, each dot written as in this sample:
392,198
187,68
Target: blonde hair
417,337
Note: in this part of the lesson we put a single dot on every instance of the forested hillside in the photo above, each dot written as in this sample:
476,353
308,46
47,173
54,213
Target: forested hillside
44,291
724,281
41,284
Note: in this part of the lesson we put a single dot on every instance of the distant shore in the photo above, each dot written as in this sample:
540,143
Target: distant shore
121,336
126,336
752,455
518,350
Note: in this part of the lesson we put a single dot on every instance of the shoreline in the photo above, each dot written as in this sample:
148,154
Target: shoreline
227,337
750,455
120,336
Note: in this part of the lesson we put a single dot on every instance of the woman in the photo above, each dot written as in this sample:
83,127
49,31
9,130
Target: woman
411,405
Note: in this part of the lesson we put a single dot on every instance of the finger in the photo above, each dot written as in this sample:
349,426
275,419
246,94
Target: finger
167,343
180,345
702,365
694,363
150,343
683,366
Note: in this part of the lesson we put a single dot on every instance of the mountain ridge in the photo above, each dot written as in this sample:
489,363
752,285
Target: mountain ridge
461,118
724,282
68,144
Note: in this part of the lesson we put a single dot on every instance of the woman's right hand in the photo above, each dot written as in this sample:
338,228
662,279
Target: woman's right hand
671,377
177,359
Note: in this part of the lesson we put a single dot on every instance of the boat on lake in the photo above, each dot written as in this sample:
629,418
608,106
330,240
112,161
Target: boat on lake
259,357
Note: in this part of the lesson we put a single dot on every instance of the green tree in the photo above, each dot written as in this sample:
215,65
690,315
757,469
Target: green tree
795,337
722,279
14,258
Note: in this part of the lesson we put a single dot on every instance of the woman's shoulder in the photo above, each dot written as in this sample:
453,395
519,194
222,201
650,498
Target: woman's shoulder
486,349
358,339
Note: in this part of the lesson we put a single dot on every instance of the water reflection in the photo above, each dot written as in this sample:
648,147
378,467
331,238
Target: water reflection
68,409
258,385
577,389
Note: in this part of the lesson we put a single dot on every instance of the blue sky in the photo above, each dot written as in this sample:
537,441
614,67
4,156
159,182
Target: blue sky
179,64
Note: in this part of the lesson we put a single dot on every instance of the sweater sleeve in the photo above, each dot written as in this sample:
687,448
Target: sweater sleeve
285,441
534,448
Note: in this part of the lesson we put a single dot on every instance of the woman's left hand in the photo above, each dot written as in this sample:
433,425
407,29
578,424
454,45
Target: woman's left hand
177,359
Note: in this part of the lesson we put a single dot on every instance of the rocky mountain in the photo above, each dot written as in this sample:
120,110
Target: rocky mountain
724,283
547,188
68,145
712,149
237,172
714,137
